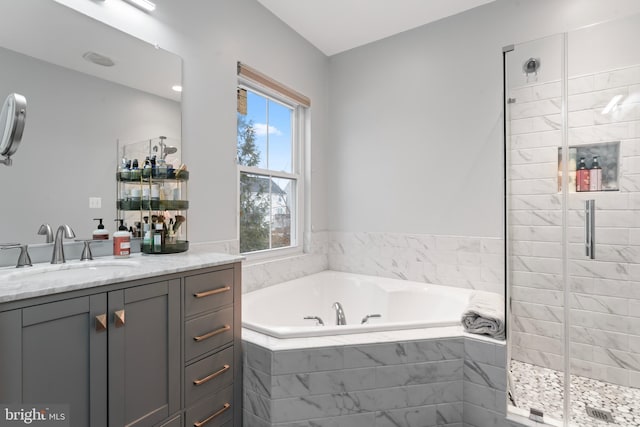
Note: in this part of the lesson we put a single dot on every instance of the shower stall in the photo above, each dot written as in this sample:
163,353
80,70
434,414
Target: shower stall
572,167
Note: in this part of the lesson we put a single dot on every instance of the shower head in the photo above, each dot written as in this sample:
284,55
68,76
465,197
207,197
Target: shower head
531,65
168,150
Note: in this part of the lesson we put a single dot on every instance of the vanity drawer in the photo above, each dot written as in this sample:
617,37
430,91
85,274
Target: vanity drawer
174,422
204,292
208,332
208,375
212,411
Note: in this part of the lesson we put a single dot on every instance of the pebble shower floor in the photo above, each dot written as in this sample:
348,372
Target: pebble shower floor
541,388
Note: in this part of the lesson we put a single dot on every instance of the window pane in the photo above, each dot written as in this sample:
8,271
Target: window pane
267,203
282,205
280,158
254,212
252,136
265,134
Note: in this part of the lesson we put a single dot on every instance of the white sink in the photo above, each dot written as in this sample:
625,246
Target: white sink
68,270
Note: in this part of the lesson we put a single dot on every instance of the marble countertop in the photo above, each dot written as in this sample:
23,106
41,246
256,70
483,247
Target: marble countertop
46,279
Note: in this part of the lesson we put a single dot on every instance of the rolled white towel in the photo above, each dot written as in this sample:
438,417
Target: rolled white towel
485,315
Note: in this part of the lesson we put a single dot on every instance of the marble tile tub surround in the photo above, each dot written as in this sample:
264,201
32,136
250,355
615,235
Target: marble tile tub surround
605,293
447,381
460,261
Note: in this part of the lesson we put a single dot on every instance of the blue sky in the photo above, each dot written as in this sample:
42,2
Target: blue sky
276,129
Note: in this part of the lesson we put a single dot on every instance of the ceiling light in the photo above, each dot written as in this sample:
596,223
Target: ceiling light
143,4
98,59
177,88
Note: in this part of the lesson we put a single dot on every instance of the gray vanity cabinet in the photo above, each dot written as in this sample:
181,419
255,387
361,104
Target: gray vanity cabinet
144,354
114,357
163,351
51,353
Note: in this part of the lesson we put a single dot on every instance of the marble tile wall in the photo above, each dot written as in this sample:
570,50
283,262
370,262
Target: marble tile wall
466,262
260,274
485,383
441,382
605,293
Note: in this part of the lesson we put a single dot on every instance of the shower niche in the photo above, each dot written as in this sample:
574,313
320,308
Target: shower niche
604,156
152,197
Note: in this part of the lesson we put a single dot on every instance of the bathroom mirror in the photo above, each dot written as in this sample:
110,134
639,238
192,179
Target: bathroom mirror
12,119
88,85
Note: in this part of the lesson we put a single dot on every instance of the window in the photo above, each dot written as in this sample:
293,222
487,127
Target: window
269,165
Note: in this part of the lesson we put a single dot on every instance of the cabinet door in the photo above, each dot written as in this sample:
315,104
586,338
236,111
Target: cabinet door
144,354
59,357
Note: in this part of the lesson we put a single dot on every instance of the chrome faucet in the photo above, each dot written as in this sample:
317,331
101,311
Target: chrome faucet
58,249
340,317
24,260
318,320
45,230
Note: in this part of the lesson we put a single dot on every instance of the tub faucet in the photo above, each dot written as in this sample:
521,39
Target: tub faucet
318,320
340,317
58,249
366,318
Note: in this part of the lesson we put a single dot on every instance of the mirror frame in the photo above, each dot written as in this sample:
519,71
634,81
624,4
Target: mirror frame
13,115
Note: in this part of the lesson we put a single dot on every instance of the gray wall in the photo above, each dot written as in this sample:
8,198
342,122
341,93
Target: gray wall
211,36
415,144
413,139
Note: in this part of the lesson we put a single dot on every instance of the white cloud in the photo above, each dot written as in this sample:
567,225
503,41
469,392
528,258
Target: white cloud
262,129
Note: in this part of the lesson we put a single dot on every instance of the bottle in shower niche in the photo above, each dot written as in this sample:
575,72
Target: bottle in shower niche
582,176
595,175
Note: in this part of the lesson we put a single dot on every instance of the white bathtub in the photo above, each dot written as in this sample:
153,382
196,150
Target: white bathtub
279,310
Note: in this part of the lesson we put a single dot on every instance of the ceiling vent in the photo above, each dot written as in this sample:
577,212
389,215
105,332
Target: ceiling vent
98,59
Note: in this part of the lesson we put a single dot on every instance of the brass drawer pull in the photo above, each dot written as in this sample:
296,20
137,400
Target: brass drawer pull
101,322
119,318
212,292
199,338
212,416
212,376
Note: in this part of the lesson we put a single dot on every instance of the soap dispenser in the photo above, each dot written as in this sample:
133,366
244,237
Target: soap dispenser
100,233
121,241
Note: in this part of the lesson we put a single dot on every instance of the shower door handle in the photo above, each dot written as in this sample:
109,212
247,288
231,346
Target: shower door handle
590,228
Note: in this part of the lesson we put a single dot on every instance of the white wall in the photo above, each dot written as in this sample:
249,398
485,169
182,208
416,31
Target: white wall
211,36
415,144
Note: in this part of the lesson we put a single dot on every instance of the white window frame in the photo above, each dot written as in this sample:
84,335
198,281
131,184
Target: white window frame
299,136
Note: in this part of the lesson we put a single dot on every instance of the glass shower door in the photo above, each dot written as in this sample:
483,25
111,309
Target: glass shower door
603,277
535,233
573,111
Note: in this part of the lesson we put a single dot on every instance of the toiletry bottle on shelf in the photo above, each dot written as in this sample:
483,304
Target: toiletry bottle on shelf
157,236
121,241
124,170
171,234
595,175
135,172
582,176
146,237
162,168
100,233
146,172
